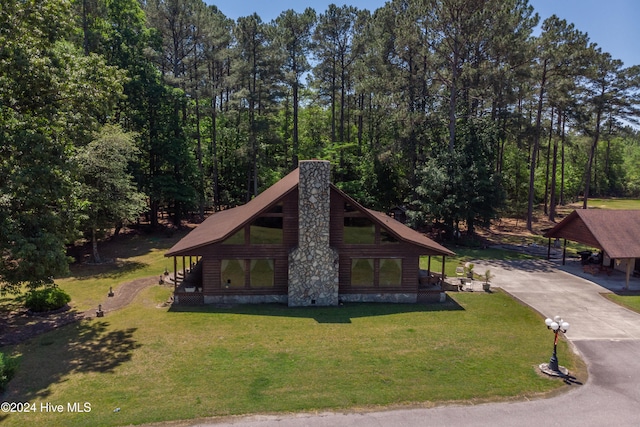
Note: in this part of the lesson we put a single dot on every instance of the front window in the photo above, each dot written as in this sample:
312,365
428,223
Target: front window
267,231
359,231
232,273
390,272
362,272
235,239
387,237
262,273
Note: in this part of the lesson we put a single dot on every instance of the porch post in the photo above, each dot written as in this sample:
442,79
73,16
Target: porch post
175,273
443,259
429,266
549,249
564,252
628,272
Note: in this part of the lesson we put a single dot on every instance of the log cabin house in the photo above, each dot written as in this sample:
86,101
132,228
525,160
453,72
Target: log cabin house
303,242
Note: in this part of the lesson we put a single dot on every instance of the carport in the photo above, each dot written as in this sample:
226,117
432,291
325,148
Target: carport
615,232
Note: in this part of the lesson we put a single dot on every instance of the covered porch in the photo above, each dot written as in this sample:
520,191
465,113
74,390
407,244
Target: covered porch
614,280
614,233
187,280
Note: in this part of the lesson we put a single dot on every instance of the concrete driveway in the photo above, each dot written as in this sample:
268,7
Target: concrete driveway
553,289
606,335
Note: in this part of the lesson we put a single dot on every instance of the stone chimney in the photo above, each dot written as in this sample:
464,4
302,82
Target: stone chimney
313,265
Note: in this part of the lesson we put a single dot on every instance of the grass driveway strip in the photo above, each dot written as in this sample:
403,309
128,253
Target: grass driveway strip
147,364
631,301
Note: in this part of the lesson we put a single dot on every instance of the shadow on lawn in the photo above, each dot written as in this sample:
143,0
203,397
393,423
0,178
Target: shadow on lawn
84,347
106,270
117,252
341,314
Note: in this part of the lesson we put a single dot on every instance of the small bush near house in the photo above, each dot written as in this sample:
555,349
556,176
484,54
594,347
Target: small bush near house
46,299
8,367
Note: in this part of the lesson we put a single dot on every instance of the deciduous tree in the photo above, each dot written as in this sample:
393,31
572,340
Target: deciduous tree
109,195
52,97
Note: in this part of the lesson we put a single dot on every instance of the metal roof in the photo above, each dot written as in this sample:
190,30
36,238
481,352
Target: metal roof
224,224
408,234
617,232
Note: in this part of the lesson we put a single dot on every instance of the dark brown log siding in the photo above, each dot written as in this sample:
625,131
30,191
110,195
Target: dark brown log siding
213,254
210,274
290,220
336,226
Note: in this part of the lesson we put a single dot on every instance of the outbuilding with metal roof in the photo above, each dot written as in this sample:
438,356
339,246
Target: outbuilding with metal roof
615,232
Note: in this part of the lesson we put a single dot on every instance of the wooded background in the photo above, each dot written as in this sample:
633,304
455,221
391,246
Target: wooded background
453,108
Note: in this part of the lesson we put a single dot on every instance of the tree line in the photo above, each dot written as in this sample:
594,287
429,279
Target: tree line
455,109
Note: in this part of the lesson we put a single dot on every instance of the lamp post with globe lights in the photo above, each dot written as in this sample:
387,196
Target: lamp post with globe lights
552,368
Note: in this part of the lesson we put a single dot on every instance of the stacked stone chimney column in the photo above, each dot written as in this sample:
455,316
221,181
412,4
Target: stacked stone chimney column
313,265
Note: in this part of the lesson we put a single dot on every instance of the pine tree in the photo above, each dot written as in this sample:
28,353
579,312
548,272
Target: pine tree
293,35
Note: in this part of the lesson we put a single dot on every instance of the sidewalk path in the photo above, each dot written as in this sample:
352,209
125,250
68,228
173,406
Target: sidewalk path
123,295
19,326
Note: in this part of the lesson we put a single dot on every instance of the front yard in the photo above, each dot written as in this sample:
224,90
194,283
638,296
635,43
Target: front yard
151,363
148,364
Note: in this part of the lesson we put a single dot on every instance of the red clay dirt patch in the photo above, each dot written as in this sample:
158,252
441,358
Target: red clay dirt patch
514,230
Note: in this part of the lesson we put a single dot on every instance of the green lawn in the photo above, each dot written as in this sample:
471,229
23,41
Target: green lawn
612,203
158,364
131,257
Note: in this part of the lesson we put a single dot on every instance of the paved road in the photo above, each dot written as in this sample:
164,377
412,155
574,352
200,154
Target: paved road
606,335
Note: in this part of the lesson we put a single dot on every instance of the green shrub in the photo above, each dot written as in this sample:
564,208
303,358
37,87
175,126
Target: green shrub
46,299
8,366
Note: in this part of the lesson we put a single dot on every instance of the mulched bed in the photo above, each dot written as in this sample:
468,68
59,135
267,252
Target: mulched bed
19,325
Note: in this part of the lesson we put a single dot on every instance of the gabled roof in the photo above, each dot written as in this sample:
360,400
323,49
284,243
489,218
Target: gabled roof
407,234
398,229
224,224
617,232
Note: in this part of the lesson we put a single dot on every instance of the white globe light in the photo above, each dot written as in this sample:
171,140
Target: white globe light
558,319
554,326
548,321
565,326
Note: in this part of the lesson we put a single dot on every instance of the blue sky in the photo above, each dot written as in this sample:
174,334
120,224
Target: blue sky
612,24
